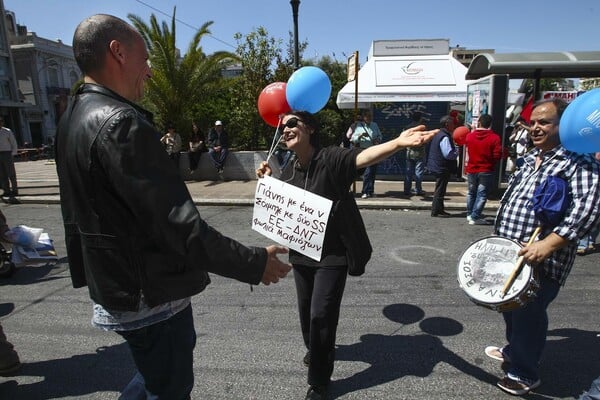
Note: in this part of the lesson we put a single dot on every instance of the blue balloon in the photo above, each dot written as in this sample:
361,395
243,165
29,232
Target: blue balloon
580,123
308,89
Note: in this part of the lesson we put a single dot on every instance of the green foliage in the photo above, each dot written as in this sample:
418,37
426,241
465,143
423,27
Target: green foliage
178,83
545,84
258,54
590,83
191,88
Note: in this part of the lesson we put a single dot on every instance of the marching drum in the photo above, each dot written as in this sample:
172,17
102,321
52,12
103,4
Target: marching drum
484,268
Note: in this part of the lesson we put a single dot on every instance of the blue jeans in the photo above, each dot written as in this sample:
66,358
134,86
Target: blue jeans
163,355
589,239
414,170
526,330
369,180
594,392
218,157
479,185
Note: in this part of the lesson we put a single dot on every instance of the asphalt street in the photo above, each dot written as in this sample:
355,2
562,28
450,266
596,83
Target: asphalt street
406,331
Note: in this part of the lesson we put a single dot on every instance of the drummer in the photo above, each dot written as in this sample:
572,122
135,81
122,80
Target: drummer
554,252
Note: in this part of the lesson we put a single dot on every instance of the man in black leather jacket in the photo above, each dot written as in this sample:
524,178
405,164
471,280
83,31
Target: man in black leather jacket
133,233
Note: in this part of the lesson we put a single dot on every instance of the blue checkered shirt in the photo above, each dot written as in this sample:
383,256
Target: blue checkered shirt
516,219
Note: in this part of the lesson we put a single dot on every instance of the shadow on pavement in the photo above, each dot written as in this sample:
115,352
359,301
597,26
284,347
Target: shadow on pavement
394,356
108,369
569,364
28,274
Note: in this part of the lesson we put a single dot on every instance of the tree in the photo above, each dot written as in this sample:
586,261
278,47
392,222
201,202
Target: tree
257,53
334,121
178,83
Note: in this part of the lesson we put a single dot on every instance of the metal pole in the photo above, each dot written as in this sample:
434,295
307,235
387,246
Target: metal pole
295,4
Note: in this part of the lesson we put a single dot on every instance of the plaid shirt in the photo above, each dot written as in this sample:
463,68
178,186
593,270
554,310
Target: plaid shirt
516,219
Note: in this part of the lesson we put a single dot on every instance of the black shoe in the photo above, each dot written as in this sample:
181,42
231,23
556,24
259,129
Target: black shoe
13,193
316,393
306,359
441,215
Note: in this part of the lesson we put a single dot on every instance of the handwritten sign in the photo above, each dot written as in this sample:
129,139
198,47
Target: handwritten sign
291,216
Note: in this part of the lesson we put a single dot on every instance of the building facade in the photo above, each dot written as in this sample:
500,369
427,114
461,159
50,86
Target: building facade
46,72
11,105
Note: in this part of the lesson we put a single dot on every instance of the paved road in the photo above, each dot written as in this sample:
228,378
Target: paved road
406,330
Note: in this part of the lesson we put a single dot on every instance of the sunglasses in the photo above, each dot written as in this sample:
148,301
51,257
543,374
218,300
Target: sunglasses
291,123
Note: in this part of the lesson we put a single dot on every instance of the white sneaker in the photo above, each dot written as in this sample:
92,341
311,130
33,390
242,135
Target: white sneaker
364,196
480,221
469,219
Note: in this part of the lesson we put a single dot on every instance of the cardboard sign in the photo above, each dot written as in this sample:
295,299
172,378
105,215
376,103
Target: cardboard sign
291,216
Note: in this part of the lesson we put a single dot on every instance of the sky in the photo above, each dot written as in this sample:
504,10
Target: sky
339,27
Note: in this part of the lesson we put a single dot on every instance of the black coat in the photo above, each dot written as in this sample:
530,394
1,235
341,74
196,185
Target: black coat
131,227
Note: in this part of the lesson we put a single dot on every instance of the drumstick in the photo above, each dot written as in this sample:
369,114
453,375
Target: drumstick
519,265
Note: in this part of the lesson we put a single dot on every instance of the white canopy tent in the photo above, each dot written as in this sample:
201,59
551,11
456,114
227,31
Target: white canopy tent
406,78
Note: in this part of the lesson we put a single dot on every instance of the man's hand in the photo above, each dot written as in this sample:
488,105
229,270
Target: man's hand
539,251
263,170
416,136
275,269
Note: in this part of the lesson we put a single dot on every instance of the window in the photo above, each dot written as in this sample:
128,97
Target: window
53,75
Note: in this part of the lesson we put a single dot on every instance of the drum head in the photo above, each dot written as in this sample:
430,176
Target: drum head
486,265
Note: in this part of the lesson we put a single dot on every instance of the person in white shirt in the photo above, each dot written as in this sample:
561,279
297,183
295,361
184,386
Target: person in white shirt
8,149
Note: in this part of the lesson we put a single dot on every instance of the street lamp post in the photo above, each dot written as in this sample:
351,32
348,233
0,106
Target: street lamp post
295,4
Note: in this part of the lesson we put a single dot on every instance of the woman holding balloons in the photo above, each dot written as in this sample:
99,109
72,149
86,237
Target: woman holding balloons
320,285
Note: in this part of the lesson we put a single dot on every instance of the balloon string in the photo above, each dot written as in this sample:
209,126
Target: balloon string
273,143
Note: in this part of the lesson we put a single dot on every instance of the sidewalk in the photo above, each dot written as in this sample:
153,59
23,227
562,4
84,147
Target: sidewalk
38,184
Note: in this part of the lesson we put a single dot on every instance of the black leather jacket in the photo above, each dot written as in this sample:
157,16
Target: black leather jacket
131,227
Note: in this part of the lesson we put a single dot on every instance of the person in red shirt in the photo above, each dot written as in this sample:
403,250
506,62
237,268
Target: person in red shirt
484,149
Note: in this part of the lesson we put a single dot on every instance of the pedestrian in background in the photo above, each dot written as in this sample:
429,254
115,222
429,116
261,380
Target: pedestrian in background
484,148
196,147
327,172
218,146
364,134
441,162
133,234
172,142
8,150
553,253
415,161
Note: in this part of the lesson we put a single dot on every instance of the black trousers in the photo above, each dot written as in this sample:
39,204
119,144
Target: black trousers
194,157
320,291
441,185
8,175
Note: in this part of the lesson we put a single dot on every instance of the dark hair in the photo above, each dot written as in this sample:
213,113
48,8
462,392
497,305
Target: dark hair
485,120
92,38
444,120
311,121
560,105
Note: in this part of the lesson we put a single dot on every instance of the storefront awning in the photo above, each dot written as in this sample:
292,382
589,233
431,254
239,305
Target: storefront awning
407,79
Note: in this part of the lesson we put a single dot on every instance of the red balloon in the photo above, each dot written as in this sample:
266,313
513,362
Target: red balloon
272,103
460,135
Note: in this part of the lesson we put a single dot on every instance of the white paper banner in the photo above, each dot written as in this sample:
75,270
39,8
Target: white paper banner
291,216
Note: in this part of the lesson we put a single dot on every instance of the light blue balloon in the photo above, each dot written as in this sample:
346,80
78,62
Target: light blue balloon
308,89
580,123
